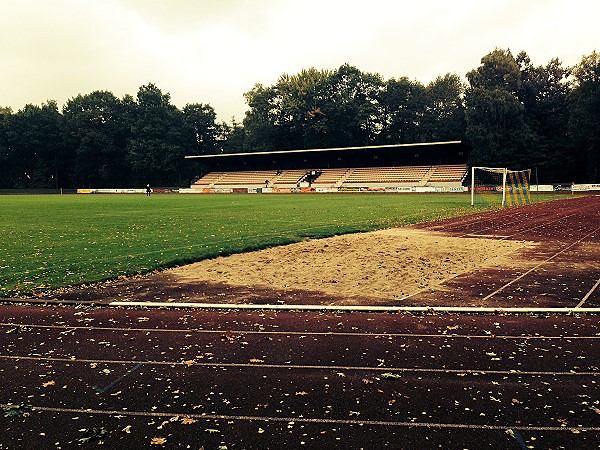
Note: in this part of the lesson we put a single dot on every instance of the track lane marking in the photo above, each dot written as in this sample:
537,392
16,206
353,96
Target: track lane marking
300,333
500,289
110,385
305,367
590,292
312,420
523,229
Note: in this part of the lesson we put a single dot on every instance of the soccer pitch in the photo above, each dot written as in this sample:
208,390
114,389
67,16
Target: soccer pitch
50,241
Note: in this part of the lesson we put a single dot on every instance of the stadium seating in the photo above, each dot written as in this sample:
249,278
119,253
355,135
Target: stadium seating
241,178
449,174
332,177
289,177
378,175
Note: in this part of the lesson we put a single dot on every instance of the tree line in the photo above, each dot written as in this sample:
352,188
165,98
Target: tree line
511,112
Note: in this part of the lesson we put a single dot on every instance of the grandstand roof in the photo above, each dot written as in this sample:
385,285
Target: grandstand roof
318,150
395,154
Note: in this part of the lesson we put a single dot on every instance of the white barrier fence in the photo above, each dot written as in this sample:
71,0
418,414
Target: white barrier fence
391,189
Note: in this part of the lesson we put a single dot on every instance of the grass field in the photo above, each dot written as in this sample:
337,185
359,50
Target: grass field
51,241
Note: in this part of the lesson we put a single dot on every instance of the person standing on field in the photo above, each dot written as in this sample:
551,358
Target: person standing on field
148,190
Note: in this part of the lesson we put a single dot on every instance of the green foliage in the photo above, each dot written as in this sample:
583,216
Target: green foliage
495,115
97,133
314,109
34,146
585,117
19,410
446,112
52,241
404,104
91,434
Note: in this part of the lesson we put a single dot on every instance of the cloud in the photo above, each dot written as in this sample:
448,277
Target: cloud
212,51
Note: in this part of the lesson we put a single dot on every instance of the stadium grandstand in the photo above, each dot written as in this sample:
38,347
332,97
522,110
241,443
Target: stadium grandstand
438,166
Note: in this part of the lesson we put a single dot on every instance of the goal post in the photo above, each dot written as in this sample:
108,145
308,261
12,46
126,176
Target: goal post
500,186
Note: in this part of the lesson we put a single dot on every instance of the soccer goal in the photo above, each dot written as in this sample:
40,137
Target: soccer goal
500,186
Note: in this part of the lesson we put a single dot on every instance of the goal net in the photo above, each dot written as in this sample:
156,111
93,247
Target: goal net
495,186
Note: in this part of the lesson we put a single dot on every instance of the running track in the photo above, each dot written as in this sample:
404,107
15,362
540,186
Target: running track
245,380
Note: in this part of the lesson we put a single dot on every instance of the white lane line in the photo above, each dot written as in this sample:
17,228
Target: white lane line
500,289
239,333
312,420
590,292
344,308
518,230
194,363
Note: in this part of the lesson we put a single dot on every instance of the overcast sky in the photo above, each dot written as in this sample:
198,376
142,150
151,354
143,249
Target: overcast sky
213,51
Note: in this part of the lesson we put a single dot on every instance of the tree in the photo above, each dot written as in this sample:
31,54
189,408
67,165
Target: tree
498,70
544,94
157,140
260,121
354,111
37,156
404,105
495,116
301,115
97,132
5,150
314,109
202,129
585,117
446,115
232,137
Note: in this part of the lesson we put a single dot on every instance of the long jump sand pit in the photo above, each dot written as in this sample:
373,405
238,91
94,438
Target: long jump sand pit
385,265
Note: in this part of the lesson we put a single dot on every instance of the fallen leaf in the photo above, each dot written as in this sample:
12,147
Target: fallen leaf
49,383
127,429
158,441
390,375
301,393
189,362
256,360
188,420
230,336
